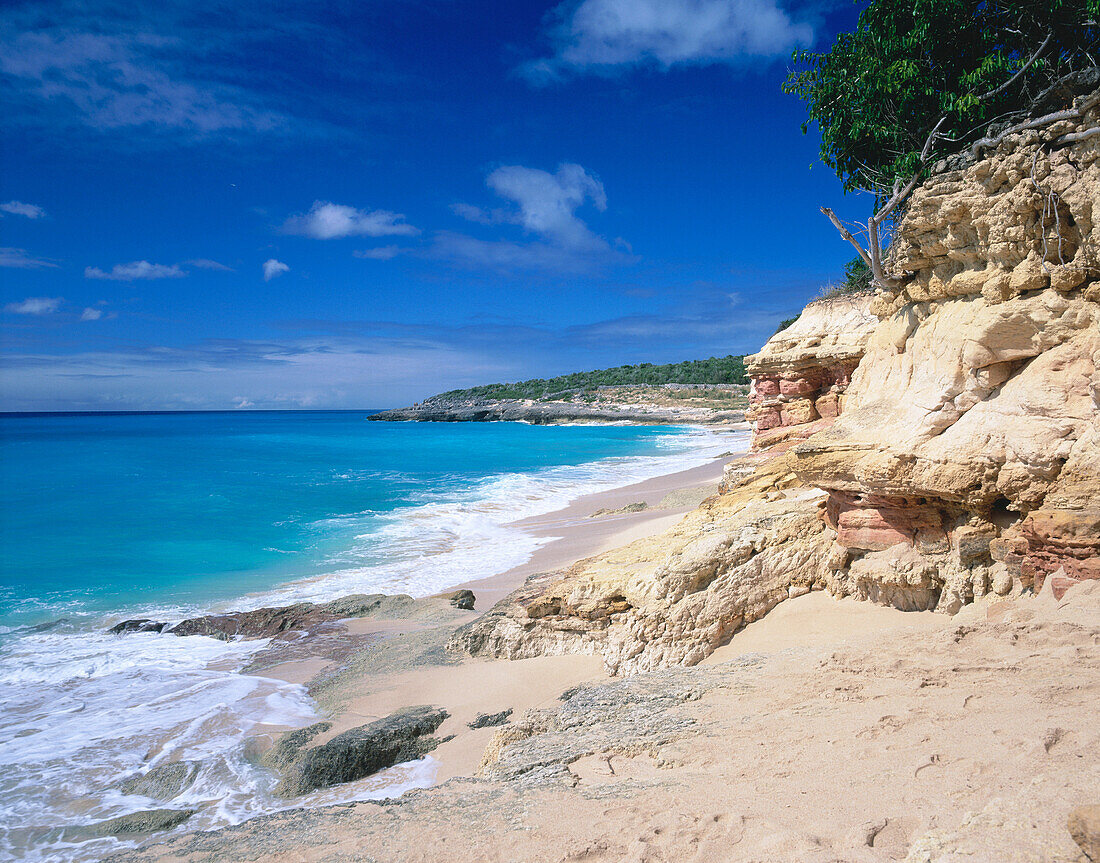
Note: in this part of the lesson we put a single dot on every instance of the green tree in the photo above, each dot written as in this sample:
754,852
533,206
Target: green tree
920,79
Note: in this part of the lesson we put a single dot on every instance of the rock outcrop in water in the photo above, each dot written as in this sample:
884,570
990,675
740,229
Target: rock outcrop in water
962,457
440,409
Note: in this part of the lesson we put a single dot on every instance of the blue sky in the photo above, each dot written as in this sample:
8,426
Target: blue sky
358,204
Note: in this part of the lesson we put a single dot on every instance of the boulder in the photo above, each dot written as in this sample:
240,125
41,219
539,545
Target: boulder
489,720
146,821
1084,827
164,782
143,624
463,600
359,752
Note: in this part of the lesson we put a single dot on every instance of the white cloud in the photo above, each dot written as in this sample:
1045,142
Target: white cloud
90,314
18,208
135,270
207,264
20,259
606,35
545,205
328,221
273,269
331,372
381,253
35,306
548,202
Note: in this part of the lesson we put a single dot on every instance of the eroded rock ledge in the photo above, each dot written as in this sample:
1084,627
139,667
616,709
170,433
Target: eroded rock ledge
968,455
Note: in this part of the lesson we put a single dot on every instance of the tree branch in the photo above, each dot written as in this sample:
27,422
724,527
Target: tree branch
902,193
1074,137
847,235
1067,114
1020,71
877,270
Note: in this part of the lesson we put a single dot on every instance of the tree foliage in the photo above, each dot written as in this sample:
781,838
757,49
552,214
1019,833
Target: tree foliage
716,370
857,279
879,92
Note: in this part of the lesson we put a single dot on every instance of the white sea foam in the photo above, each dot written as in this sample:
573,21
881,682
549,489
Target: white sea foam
449,539
83,710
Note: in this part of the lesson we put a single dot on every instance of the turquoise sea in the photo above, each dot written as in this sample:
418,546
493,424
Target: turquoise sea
108,516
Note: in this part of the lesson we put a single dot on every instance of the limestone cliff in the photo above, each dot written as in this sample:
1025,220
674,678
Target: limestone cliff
961,458
968,456
800,377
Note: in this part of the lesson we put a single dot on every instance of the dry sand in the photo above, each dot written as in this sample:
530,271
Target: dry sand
902,737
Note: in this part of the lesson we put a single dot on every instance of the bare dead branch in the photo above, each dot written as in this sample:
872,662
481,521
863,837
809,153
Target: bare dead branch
1067,114
847,235
1074,137
877,270
903,193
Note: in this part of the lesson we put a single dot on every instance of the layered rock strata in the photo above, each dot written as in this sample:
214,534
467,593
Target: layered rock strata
800,377
967,458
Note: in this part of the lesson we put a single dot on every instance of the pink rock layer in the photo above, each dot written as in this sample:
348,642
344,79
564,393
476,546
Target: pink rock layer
800,400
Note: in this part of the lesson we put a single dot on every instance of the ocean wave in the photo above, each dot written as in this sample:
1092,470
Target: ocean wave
448,538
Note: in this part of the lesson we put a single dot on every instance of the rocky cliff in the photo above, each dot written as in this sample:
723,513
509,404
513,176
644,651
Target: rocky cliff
800,377
948,435
968,455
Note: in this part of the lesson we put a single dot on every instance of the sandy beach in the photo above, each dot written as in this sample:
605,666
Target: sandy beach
468,686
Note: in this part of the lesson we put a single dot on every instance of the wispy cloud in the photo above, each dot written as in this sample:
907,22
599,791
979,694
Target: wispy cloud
122,78
207,264
545,205
294,373
273,269
35,306
21,260
134,271
328,221
18,208
605,36
90,314
381,253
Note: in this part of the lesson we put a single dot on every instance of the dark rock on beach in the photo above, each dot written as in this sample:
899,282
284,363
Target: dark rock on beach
490,720
463,599
132,824
274,621
163,782
359,752
143,624
282,754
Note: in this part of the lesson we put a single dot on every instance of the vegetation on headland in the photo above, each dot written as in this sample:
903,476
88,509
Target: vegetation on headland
921,80
716,370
